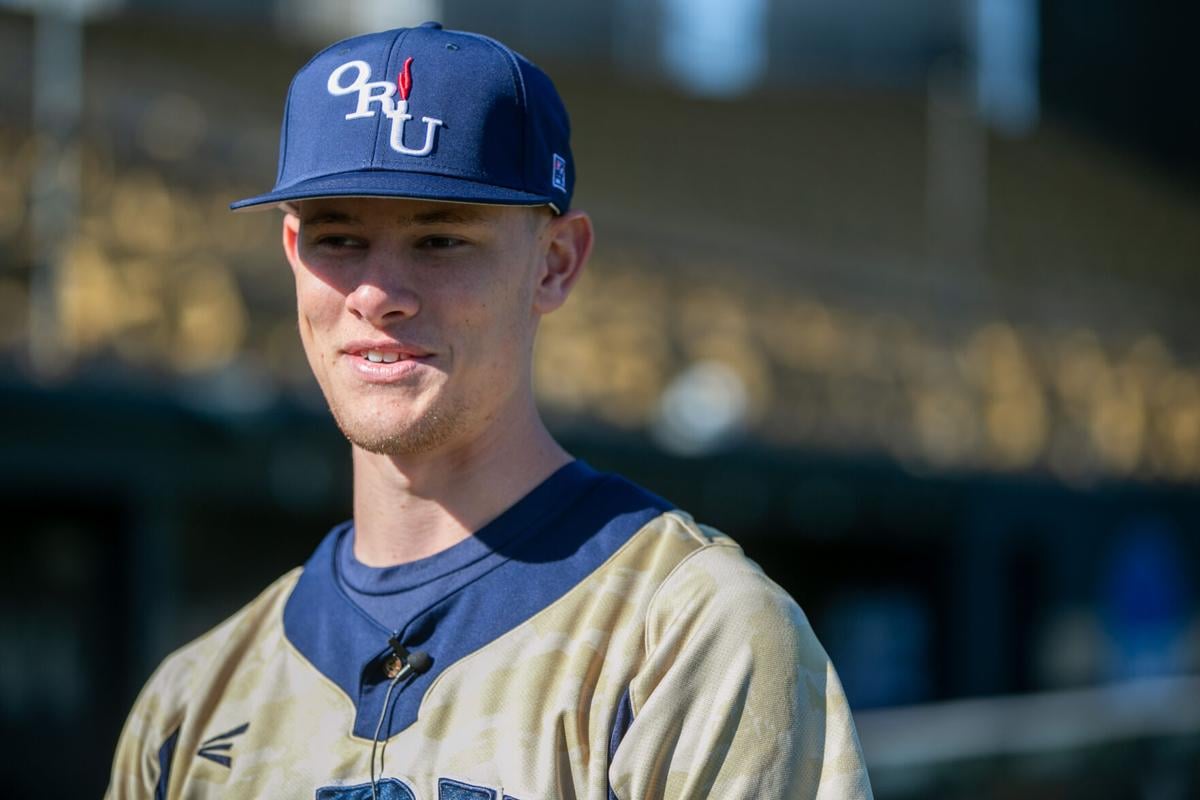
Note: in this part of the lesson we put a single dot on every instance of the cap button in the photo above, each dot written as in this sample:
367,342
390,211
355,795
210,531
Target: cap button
437,26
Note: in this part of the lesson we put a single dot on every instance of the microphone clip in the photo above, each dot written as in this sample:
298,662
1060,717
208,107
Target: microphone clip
397,660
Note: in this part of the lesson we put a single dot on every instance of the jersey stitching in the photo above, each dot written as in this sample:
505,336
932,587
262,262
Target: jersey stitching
336,577
708,545
329,683
573,590
540,522
691,527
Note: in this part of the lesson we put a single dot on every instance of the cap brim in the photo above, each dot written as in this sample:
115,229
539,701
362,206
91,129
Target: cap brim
390,183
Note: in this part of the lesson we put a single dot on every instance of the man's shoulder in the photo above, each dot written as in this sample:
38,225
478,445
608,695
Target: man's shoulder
246,629
714,568
733,676
190,680
718,627
711,583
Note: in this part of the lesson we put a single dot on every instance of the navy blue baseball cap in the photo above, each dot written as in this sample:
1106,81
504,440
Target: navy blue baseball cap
423,113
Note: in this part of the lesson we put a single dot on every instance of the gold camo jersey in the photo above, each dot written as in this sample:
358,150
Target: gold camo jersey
617,650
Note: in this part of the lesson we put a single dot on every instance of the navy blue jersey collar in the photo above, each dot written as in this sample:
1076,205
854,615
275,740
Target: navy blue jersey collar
550,541
522,518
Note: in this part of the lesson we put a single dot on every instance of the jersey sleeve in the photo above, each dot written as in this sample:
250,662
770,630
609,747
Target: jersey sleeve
145,751
188,683
736,697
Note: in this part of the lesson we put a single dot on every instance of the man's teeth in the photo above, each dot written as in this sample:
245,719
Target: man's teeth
381,358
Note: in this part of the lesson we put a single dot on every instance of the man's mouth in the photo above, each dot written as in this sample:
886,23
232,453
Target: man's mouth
385,361
381,356
385,352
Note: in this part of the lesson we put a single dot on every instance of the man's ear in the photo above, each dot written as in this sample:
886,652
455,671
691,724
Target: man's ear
567,243
291,237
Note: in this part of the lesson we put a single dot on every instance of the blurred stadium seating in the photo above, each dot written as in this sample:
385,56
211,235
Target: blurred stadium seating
931,359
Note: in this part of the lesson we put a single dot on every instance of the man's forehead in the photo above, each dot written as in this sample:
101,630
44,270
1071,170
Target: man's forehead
364,210
416,213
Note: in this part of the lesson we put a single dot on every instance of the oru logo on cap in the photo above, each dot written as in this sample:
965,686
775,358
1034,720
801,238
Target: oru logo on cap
383,93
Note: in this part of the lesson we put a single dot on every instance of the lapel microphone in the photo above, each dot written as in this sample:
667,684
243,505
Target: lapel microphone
404,662
401,664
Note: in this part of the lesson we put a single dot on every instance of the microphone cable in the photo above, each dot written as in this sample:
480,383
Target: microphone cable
413,664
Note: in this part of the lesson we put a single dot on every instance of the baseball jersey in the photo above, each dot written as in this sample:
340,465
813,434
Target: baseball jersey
595,643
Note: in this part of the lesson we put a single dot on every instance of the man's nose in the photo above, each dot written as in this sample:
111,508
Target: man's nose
383,294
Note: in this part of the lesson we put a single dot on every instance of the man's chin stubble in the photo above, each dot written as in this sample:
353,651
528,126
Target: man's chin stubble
429,432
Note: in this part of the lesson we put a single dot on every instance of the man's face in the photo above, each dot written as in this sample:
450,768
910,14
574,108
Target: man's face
418,317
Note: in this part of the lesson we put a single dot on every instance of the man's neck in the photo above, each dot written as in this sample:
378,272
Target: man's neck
411,507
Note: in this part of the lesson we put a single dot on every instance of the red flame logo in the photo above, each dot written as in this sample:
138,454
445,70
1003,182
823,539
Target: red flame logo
404,79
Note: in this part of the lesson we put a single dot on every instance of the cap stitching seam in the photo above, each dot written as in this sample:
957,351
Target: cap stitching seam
522,99
287,105
283,137
381,117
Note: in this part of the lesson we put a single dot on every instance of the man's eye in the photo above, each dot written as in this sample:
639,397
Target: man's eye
440,243
334,242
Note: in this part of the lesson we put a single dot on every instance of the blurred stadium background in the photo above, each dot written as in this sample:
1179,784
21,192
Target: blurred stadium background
900,294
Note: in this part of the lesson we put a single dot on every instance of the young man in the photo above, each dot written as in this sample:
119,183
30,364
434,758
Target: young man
498,620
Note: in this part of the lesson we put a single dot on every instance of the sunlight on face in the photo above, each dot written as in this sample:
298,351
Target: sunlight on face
417,317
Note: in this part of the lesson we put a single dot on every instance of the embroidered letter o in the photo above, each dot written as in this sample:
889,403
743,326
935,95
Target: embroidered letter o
335,78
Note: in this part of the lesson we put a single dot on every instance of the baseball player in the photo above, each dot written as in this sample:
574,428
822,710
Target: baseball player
498,620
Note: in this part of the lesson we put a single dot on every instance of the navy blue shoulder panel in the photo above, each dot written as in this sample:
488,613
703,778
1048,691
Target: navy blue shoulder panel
572,530
326,627
621,723
166,754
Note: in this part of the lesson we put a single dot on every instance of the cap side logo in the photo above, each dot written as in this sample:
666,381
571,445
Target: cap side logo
383,93
559,178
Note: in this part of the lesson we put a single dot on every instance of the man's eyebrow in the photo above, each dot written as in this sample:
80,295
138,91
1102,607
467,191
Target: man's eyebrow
441,216
434,216
330,218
